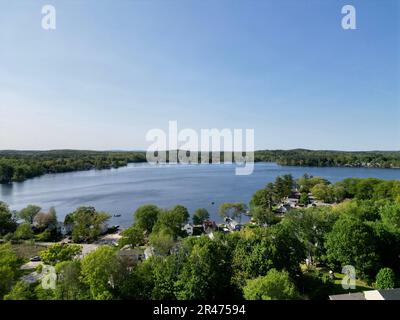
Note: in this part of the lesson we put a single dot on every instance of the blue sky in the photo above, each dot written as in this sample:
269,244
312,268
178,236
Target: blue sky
112,70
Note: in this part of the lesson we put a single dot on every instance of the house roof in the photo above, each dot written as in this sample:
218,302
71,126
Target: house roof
373,295
348,296
387,294
390,294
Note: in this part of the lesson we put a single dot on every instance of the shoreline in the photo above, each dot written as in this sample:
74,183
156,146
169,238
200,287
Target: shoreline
194,164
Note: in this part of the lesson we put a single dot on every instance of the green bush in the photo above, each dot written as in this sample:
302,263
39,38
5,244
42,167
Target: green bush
385,279
23,232
276,285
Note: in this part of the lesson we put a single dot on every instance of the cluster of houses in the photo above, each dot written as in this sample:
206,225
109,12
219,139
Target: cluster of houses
209,226
293,202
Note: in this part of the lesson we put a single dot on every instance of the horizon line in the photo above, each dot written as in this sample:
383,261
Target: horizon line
141,150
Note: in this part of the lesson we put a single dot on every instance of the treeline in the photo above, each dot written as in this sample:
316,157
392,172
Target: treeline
361,229
21,165
321,158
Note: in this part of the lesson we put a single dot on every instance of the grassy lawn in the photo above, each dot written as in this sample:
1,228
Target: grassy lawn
27,250
338,277
338,289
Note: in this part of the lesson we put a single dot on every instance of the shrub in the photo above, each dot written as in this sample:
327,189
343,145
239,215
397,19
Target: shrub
385,279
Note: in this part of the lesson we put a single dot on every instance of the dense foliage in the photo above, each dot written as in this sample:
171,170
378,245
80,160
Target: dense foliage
8,223
59,252
322,158
22,165
9,265
274,257
385,279
86,224
274,285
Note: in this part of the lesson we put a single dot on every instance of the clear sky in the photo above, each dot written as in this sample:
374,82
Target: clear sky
112,70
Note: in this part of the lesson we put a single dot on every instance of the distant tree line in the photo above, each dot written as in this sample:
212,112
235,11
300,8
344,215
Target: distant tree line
21,165
321,158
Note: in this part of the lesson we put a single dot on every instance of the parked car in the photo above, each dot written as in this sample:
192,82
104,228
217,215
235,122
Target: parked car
35,259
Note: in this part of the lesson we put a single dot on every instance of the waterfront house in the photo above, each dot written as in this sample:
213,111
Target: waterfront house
188,228
209,226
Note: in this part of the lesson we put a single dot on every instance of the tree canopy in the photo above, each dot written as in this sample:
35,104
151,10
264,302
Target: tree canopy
275,285
87,223
200,215
59,252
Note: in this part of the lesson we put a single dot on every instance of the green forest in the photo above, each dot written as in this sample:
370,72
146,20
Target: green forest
17,166
324,158
273,257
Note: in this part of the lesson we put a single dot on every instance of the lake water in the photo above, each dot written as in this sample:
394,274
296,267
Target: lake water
121,191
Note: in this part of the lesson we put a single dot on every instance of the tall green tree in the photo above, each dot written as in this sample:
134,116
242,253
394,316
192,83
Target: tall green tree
24,232
87,224
146,217
352,242
59,252
7,220
28,214
132,236
200,215
263,198
139,283
6,172
166,271
275,285
311,226
266,248
171,221
99,270
9,265
390,215
69,282
206,273
162,242
284,186
323,192
307,182
263,216
21,291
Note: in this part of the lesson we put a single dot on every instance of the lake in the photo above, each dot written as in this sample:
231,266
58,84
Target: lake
121,191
